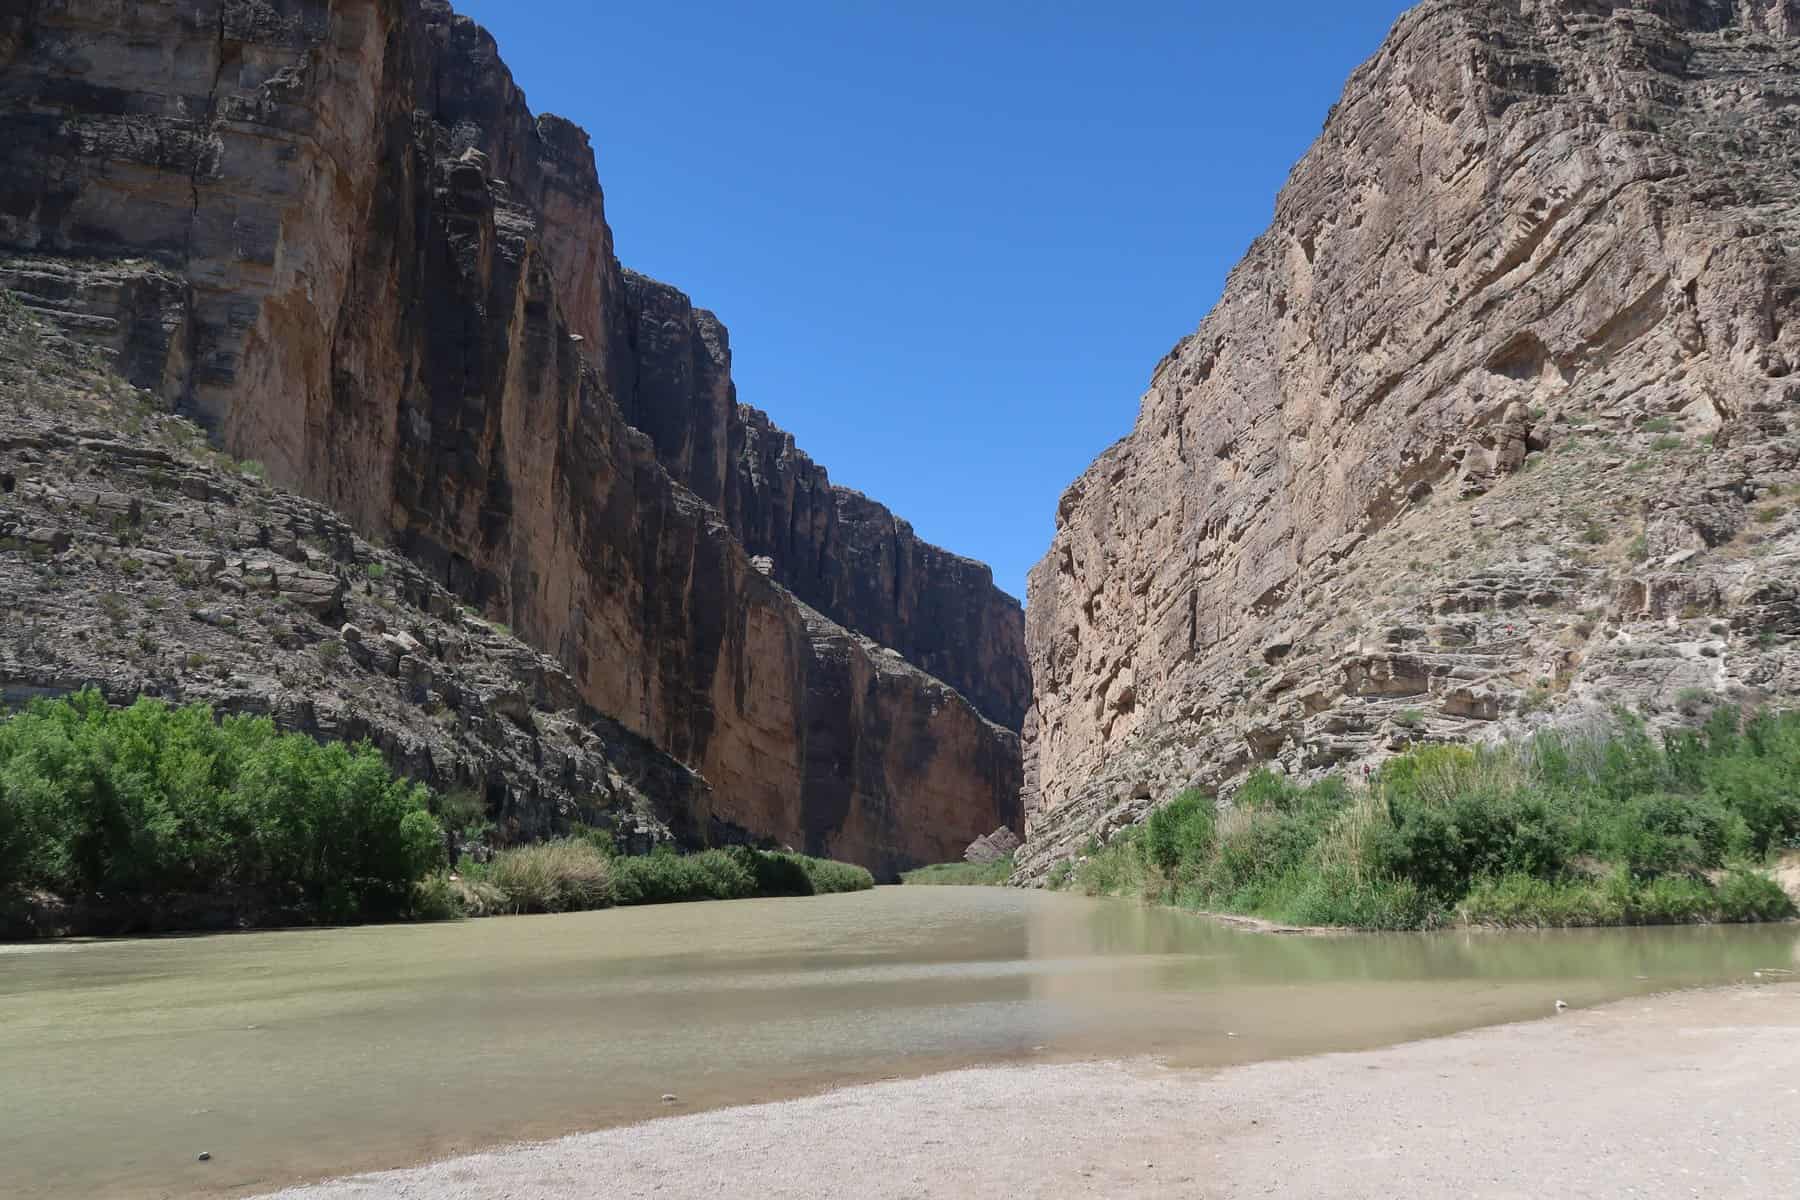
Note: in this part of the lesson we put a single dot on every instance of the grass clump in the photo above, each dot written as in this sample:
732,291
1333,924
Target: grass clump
1558,831
551,877
963,874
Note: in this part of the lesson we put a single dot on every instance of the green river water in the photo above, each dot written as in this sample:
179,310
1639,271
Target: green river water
296,1055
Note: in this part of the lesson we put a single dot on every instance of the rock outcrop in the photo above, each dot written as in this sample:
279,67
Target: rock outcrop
1497,424
135,560
334,233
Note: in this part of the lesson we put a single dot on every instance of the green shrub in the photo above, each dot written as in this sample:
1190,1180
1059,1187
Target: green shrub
962,874
1660,833
1526,902
1557,831
1750,896
1116,869
152,801
1180,831
460,809
665,877
830,877
1341,897
437,898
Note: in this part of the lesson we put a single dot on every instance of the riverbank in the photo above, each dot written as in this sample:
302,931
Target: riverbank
570,875
1684,1094
1559,831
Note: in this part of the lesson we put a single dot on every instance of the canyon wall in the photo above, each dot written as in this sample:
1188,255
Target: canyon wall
1495,427
841,552
333,231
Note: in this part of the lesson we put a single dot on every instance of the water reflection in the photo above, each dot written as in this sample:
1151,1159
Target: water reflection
300,1054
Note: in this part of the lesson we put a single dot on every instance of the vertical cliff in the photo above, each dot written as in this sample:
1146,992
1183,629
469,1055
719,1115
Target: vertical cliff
839,551
334,231
1494,426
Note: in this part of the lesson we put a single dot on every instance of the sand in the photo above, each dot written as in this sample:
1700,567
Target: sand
1690,1094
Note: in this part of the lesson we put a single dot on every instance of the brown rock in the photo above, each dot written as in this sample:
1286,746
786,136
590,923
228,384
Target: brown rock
1516,210
992,847
335,234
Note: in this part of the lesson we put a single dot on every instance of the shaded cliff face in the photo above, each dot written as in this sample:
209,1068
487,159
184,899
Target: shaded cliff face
838,550
335,233
1493,426
138,561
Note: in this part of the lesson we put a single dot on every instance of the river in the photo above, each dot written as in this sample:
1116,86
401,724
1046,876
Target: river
290,1056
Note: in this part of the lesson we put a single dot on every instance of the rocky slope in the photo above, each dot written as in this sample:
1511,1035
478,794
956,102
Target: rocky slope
335,234
1496,425
135,559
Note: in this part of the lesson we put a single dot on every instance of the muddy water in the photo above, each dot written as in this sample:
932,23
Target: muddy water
290,1056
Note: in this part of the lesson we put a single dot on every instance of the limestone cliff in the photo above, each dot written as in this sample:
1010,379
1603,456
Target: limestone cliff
1495,426
333,231
839,551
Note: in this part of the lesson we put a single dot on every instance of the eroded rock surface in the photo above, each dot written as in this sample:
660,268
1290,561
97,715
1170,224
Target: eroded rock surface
843,553
136,560
1496,425
336,235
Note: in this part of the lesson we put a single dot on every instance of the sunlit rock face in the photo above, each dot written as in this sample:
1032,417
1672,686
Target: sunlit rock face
1489,429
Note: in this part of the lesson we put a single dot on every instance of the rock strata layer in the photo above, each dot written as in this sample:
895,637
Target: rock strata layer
1495,427
335,234
836,549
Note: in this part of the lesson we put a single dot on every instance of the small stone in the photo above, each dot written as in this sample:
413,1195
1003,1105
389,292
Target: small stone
205,1156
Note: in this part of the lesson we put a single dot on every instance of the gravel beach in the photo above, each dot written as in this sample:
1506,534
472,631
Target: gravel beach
1690,1094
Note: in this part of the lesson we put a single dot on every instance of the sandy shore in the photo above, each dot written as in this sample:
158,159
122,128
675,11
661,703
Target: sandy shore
1694,1094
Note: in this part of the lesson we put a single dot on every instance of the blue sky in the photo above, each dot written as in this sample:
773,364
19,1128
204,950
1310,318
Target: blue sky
951,240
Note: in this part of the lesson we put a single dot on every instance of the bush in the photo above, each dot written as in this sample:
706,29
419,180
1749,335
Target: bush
1557,831
1341,898
1116,869
1751,896
830,877
1180,831
551,877
1525,902
154,801
963,874
1662,833
437,898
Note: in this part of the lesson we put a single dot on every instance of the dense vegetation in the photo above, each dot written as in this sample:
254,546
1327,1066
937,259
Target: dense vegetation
142,808
1557,831
153,801
576,874
963,874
